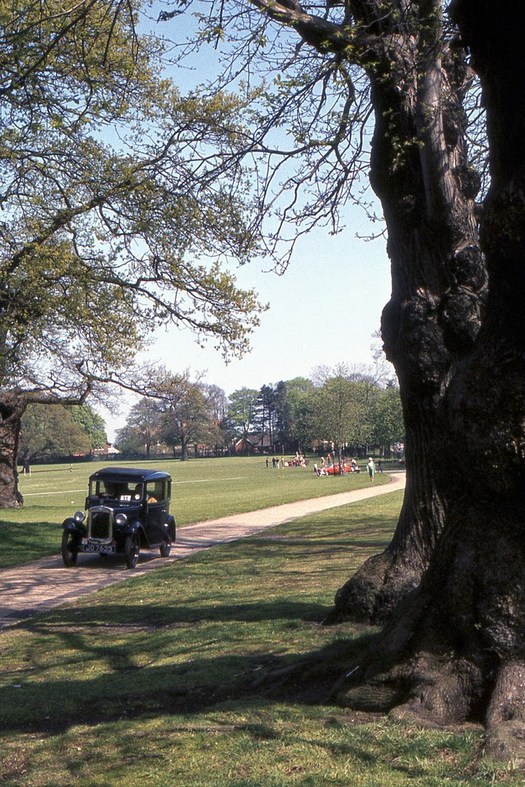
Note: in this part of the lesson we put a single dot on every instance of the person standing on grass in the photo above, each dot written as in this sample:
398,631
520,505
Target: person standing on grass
371,468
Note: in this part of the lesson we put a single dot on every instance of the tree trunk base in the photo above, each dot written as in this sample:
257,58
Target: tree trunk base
18,502
447,696
375,591
506,717
418,673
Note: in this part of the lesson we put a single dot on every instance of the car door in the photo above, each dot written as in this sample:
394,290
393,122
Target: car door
157,510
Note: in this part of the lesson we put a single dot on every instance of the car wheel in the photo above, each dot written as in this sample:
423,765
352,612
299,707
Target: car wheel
165,550
69,552
131,551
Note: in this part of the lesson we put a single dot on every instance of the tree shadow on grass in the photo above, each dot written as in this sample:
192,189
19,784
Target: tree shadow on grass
200,685
125,661
23,542
173,614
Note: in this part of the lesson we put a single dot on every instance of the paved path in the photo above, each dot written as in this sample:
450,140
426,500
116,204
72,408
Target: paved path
43,584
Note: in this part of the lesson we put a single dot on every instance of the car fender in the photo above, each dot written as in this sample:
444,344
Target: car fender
71,525
77,529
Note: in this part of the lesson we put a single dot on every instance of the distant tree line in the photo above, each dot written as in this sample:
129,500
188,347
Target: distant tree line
51,434
341,410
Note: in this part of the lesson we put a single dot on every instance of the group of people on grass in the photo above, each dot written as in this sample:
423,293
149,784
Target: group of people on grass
328,467
298,461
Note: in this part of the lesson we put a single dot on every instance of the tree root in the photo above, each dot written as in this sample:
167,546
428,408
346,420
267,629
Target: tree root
425,682
375,591
506,717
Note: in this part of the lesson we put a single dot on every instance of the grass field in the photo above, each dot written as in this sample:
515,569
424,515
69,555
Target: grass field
202,489
215,671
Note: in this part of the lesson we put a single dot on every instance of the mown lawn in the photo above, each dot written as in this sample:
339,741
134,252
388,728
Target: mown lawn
202,489
215,671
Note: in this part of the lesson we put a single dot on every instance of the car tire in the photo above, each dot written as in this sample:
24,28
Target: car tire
131,550
69,553
165,550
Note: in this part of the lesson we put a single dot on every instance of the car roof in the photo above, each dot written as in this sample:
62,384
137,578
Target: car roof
134,474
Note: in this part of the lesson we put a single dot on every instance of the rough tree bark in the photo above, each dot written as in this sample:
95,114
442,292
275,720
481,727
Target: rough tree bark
420,172
12,407
457,648
13,404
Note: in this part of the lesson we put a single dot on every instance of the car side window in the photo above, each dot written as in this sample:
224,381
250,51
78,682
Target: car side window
155,492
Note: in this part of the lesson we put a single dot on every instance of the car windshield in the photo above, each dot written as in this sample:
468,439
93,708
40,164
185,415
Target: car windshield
117,490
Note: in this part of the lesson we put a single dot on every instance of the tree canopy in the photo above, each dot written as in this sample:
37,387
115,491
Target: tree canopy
97,164
120,199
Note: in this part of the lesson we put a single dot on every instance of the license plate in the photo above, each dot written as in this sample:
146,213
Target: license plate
105,549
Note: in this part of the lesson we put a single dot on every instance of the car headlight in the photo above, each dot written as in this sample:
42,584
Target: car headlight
121,519
79,516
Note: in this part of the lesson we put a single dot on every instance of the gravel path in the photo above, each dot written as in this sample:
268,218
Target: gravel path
42,584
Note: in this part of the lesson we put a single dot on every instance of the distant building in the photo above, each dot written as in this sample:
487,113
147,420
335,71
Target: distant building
108,452
253,444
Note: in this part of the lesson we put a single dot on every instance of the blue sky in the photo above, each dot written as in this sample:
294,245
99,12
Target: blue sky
323,311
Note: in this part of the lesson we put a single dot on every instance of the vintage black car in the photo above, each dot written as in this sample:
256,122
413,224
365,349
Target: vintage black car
126,509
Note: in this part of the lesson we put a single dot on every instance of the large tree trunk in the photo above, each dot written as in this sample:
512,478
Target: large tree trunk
384,580
420,172
12,408
457,649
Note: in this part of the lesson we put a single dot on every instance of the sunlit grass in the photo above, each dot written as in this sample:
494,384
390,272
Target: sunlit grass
202,489
178,677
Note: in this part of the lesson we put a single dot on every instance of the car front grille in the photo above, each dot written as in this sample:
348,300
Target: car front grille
100,525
